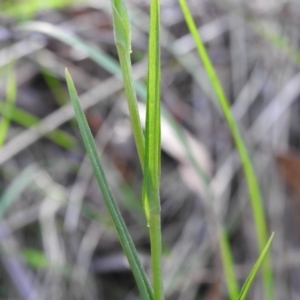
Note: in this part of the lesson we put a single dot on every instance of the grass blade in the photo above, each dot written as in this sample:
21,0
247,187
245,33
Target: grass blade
228,265
11,94
151,183
123,44
254,270
125,239
253,187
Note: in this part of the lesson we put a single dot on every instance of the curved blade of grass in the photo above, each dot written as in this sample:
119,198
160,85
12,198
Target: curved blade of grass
124,237
11,94
16,188
151,183
253,187
228,265
26,119
254,270
224,245
123,44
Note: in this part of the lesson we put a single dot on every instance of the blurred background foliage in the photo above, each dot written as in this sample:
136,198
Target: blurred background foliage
24,10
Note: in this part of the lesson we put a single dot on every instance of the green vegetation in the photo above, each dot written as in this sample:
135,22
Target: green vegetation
252,182
147,142
151,158
125,239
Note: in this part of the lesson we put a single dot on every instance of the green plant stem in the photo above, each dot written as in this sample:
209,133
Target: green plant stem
133,109
123,44
252,184
151,198
156,249
228,264
151,155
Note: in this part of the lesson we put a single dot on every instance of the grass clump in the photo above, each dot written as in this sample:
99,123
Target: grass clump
148,147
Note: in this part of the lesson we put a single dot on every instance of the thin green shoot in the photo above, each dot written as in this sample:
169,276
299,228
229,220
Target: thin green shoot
251,179
123,44
149,157
124,237
11,94
253,272
152,163
224,245
228,264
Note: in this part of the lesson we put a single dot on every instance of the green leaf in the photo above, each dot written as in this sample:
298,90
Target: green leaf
252,274
124,237
152,165
228,264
